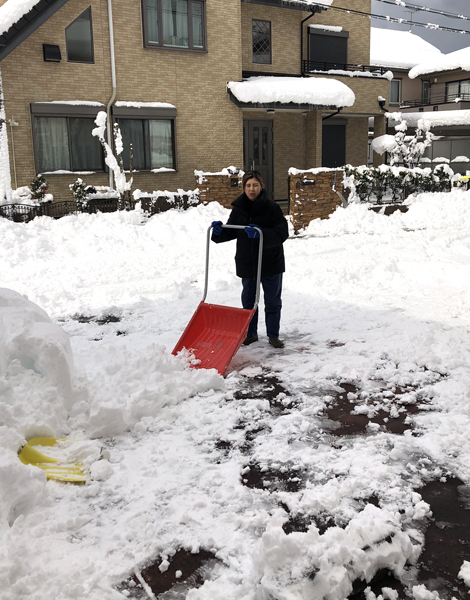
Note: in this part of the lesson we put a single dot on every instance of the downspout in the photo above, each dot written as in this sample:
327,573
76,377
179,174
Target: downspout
302,41
113,83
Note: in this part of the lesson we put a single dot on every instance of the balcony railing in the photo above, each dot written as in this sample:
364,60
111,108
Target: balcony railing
435,100
312,66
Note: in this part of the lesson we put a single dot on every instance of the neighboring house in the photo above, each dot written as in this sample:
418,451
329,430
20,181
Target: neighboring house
427,81
446,105
400,51
177,77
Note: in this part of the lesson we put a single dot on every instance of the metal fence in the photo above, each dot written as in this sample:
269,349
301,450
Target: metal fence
22,213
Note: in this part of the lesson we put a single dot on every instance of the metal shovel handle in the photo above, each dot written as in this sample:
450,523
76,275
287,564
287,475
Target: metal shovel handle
260,257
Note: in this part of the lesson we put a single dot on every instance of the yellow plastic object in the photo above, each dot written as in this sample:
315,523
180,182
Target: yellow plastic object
52,467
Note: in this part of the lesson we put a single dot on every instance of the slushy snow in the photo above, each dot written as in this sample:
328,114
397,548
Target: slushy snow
91,307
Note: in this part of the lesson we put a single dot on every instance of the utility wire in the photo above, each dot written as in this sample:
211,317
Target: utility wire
394,19
434,11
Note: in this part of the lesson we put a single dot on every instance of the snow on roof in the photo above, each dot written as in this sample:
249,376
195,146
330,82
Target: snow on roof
299,90
460,59
12,11
400,49
445,118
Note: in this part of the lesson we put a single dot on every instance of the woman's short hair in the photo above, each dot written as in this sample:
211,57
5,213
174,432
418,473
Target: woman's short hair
252,175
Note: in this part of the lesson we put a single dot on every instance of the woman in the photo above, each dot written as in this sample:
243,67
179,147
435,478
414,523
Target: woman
253,207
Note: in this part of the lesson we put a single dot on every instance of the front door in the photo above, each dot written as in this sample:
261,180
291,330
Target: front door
333,146
258,150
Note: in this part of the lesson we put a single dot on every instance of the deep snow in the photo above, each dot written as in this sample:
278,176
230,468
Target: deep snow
91,308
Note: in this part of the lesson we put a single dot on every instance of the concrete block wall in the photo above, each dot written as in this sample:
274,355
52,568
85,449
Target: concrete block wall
311,195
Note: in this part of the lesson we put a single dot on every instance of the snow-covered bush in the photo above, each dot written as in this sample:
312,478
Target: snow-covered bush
386,184
408,150
78,189
38,188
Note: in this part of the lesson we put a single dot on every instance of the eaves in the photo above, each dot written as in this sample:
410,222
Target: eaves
27,24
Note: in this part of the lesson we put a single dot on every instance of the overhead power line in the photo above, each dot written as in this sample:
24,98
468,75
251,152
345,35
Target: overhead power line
433,11
395,19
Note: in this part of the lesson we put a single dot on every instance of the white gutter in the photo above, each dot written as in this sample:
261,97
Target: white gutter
113,82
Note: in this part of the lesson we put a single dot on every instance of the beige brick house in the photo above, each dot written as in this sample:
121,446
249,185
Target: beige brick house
161,69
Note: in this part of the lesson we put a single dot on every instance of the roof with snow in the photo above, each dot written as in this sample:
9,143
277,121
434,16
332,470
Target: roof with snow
291,92
20,18
460,59
400,49
445,118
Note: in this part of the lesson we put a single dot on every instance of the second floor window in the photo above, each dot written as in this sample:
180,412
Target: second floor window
79,39
327,50
395,91
458,90
261,41
178,24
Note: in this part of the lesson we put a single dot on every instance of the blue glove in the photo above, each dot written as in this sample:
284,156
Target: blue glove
216,227
252,233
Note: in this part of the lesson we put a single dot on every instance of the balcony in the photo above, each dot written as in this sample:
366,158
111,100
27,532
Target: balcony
312,66
455,101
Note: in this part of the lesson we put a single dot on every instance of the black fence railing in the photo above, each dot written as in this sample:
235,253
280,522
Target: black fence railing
22,213
435,100
310,66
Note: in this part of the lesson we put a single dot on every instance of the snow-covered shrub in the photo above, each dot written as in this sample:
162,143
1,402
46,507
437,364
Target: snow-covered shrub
38,188
78,189
387,184
408,150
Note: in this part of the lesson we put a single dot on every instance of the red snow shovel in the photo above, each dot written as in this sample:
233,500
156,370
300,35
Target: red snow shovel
215,333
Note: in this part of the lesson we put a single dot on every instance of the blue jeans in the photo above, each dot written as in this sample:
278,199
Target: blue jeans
272,288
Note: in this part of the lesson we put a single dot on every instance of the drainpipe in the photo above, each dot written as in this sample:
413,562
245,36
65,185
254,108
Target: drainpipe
113,82
302,41
12,124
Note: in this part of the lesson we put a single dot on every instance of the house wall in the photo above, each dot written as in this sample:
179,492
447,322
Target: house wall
193,82
285,38
358,27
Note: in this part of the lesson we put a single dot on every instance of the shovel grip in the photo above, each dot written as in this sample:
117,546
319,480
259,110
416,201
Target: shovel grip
260,258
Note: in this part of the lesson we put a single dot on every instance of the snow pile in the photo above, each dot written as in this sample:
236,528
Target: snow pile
379,303
36,367
458,60
298,90
399,49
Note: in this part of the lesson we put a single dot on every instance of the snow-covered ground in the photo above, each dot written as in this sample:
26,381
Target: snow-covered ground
91,308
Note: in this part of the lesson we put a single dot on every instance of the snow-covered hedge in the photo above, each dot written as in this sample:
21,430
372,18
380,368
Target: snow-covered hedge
386,184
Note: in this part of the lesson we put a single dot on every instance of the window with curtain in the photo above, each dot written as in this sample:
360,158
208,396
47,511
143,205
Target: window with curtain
178,24
79,39
153,143
66,143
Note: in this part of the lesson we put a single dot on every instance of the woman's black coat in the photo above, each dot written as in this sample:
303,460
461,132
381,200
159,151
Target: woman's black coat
267,215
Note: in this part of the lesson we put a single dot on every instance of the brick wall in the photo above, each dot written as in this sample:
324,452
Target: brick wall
311,195
209,127
219,187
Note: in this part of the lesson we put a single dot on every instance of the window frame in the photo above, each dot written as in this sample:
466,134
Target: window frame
160,45
398,80
82,62
58,110
255,62
150,113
